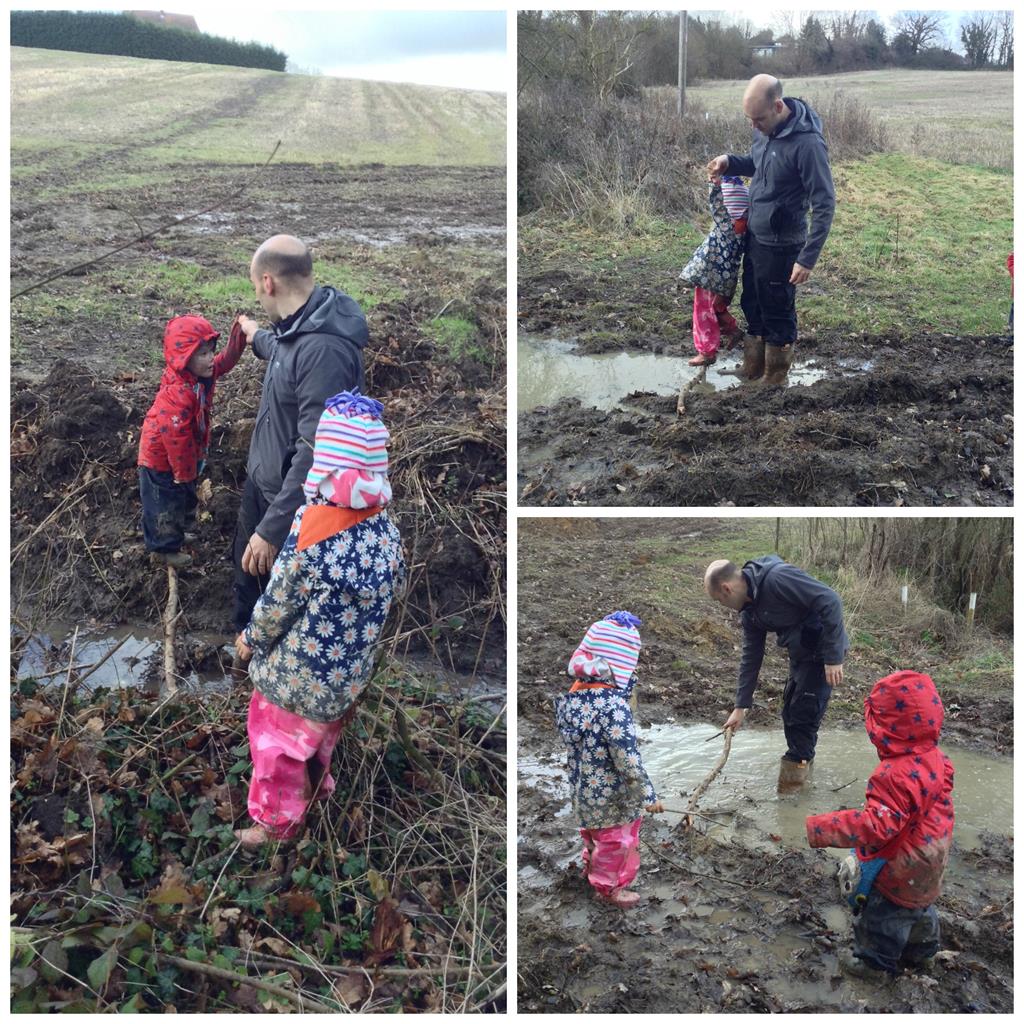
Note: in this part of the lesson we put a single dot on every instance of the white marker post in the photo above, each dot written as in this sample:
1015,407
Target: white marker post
971,606
904,597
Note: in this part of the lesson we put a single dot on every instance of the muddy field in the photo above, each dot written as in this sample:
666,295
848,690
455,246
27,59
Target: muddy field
86,362
736,914
925,420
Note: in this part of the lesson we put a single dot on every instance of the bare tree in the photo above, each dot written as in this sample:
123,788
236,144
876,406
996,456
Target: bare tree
919,27
603,46
978,34
845,24
1004,22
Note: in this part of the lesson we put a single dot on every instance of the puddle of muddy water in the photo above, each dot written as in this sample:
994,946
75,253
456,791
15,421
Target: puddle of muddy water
550,369
743,796
47,655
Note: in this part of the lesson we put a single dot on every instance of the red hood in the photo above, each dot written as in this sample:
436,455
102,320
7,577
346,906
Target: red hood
903,714
183,335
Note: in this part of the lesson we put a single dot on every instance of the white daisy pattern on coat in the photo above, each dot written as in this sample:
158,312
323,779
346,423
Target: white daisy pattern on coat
314,629
607,779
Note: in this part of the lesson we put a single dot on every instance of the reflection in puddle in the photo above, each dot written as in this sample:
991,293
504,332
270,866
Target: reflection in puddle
113,658
549,369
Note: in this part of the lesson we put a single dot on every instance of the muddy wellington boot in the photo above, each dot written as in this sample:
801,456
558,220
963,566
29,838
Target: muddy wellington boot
753,358
855,967
778,360
792,776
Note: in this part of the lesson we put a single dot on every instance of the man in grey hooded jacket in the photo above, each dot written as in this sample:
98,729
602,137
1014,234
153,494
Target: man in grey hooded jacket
789,170
313,351
807,616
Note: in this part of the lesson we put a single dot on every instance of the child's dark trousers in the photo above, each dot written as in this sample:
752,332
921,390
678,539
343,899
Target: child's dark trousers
889,937
168,509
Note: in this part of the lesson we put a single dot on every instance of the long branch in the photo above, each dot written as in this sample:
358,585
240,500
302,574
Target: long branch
145,236
302,1001
713,774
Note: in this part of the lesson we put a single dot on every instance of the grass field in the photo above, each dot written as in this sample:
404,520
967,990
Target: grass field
915,245
68,107
962,117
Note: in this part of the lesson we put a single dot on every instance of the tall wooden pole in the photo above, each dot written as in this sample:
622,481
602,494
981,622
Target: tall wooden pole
682,63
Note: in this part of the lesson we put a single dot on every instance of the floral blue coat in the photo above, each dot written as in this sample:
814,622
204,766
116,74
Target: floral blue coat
606,774
715,266
314,629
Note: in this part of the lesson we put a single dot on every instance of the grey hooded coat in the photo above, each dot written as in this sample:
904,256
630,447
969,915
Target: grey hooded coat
308,361
790,173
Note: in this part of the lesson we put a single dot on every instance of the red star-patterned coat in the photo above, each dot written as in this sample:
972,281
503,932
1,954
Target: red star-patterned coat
176,432
907,816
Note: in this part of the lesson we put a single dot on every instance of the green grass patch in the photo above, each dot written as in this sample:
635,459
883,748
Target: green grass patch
916,245
991,670
363,283
458,339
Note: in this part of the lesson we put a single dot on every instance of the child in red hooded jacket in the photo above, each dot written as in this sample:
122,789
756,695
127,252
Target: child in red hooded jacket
176,432
906,822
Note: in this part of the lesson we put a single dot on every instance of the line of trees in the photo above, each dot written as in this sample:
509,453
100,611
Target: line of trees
617,52
124,36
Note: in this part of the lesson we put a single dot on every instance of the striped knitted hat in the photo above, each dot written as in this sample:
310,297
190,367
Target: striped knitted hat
350,455
614,640
736,196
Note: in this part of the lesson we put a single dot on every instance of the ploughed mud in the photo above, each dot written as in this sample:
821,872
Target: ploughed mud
58,220
919,421
737,914
86,363
742,917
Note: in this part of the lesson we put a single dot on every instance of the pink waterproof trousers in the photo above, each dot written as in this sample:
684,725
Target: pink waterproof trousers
611,856
291,761
711,317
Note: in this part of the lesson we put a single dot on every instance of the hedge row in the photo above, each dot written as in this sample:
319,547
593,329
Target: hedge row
125,36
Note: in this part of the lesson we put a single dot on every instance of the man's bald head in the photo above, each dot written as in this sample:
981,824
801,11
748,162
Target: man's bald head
284,257
282,275
724,583
763,105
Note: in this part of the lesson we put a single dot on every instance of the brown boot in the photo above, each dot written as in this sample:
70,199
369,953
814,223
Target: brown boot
792,776
778,359
753,358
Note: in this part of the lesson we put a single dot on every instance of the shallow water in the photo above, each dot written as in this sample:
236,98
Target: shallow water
48,655
549,369
744,799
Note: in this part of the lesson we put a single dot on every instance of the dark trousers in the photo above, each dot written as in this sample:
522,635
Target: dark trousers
884,934
247,589
768,300
168,509
803,703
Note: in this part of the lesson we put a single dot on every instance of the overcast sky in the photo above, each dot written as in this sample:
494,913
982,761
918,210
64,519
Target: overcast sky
463,49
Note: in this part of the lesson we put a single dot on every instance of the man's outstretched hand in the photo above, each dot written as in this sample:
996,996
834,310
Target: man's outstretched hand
718,166
249,326
735,720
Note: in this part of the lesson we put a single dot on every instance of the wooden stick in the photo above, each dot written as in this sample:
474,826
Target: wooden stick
711,775
303,1002
170,617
